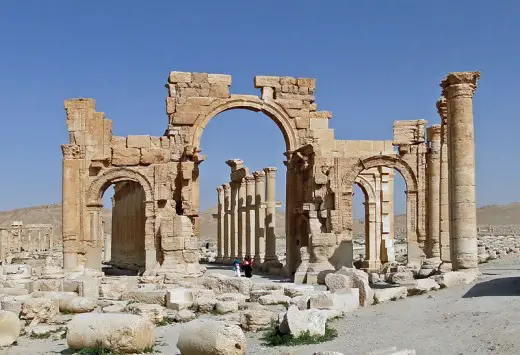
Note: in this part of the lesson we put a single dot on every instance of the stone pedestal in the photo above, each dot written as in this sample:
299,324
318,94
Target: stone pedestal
434,167
259,218
458,89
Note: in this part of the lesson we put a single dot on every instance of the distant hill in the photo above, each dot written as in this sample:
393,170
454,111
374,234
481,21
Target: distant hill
487,215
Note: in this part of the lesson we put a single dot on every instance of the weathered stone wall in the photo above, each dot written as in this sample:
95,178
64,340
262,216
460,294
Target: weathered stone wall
128,226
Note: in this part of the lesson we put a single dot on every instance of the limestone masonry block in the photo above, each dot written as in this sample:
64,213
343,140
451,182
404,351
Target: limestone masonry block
138,142
221,79
180,77
125,156
154,156
307,82
170,105
272,81
286,103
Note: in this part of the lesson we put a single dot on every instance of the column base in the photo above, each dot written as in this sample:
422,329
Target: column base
445,267
258,261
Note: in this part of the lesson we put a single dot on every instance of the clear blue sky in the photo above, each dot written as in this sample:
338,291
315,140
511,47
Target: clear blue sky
375,62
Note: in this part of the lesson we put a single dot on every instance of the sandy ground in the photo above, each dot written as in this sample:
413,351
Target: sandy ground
482,318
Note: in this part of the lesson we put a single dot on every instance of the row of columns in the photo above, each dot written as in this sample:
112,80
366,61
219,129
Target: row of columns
451,172
246,216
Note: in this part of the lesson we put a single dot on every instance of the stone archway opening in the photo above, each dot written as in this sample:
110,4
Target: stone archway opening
119,213
123,229
254,139
376,176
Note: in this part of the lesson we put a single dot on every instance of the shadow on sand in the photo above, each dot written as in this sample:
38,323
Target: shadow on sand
506,286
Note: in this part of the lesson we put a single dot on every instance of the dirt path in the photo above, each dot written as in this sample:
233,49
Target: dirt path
483,318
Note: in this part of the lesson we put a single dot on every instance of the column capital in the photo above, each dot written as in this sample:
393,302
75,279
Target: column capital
249,180
259,175
270,171
235,164
220,189
434,132
442,109
226,189
460,84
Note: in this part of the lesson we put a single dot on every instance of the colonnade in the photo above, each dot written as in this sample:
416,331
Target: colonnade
451,176
246,216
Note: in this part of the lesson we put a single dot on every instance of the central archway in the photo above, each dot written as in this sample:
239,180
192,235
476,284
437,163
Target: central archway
252,103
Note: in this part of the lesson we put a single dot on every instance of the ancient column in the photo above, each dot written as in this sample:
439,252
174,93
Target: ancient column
270,216
220,224
227,224
233,221
444,210
242,213
250,215
259,218
458,89
434,167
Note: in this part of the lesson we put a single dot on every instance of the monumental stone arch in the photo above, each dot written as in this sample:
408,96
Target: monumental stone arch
158,178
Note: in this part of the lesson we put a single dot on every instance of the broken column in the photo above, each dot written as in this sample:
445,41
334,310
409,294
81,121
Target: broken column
271,259
227,224
444,209
250,215
259,218
434,167
459,88
220,224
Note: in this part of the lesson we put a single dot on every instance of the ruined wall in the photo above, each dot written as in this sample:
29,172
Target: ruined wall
128,227
29,241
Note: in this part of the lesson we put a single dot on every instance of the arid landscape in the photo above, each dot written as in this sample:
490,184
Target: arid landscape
491,215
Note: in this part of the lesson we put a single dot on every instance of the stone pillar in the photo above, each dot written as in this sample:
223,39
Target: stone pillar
250,215
227,223
434,167
71,210
233,220
259,218
4,244
444,209
459,89
242,213
271,259
220,224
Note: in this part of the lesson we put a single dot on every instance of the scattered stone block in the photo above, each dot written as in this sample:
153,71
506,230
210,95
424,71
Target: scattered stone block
152,312
39,310
126,333
390,293
296,322
273,299
146,296
293,290
10,327
206,337
184,315
223,307
421,286
77,304
457,277
256,319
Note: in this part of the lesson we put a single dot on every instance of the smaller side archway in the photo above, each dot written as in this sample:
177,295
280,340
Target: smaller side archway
133,214
410,179
372,222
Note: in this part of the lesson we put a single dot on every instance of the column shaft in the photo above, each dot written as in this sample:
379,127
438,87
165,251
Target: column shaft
233,236
250,215
270,215
459,89
434,167
227,223
220,224
444,207
259,217
242,230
